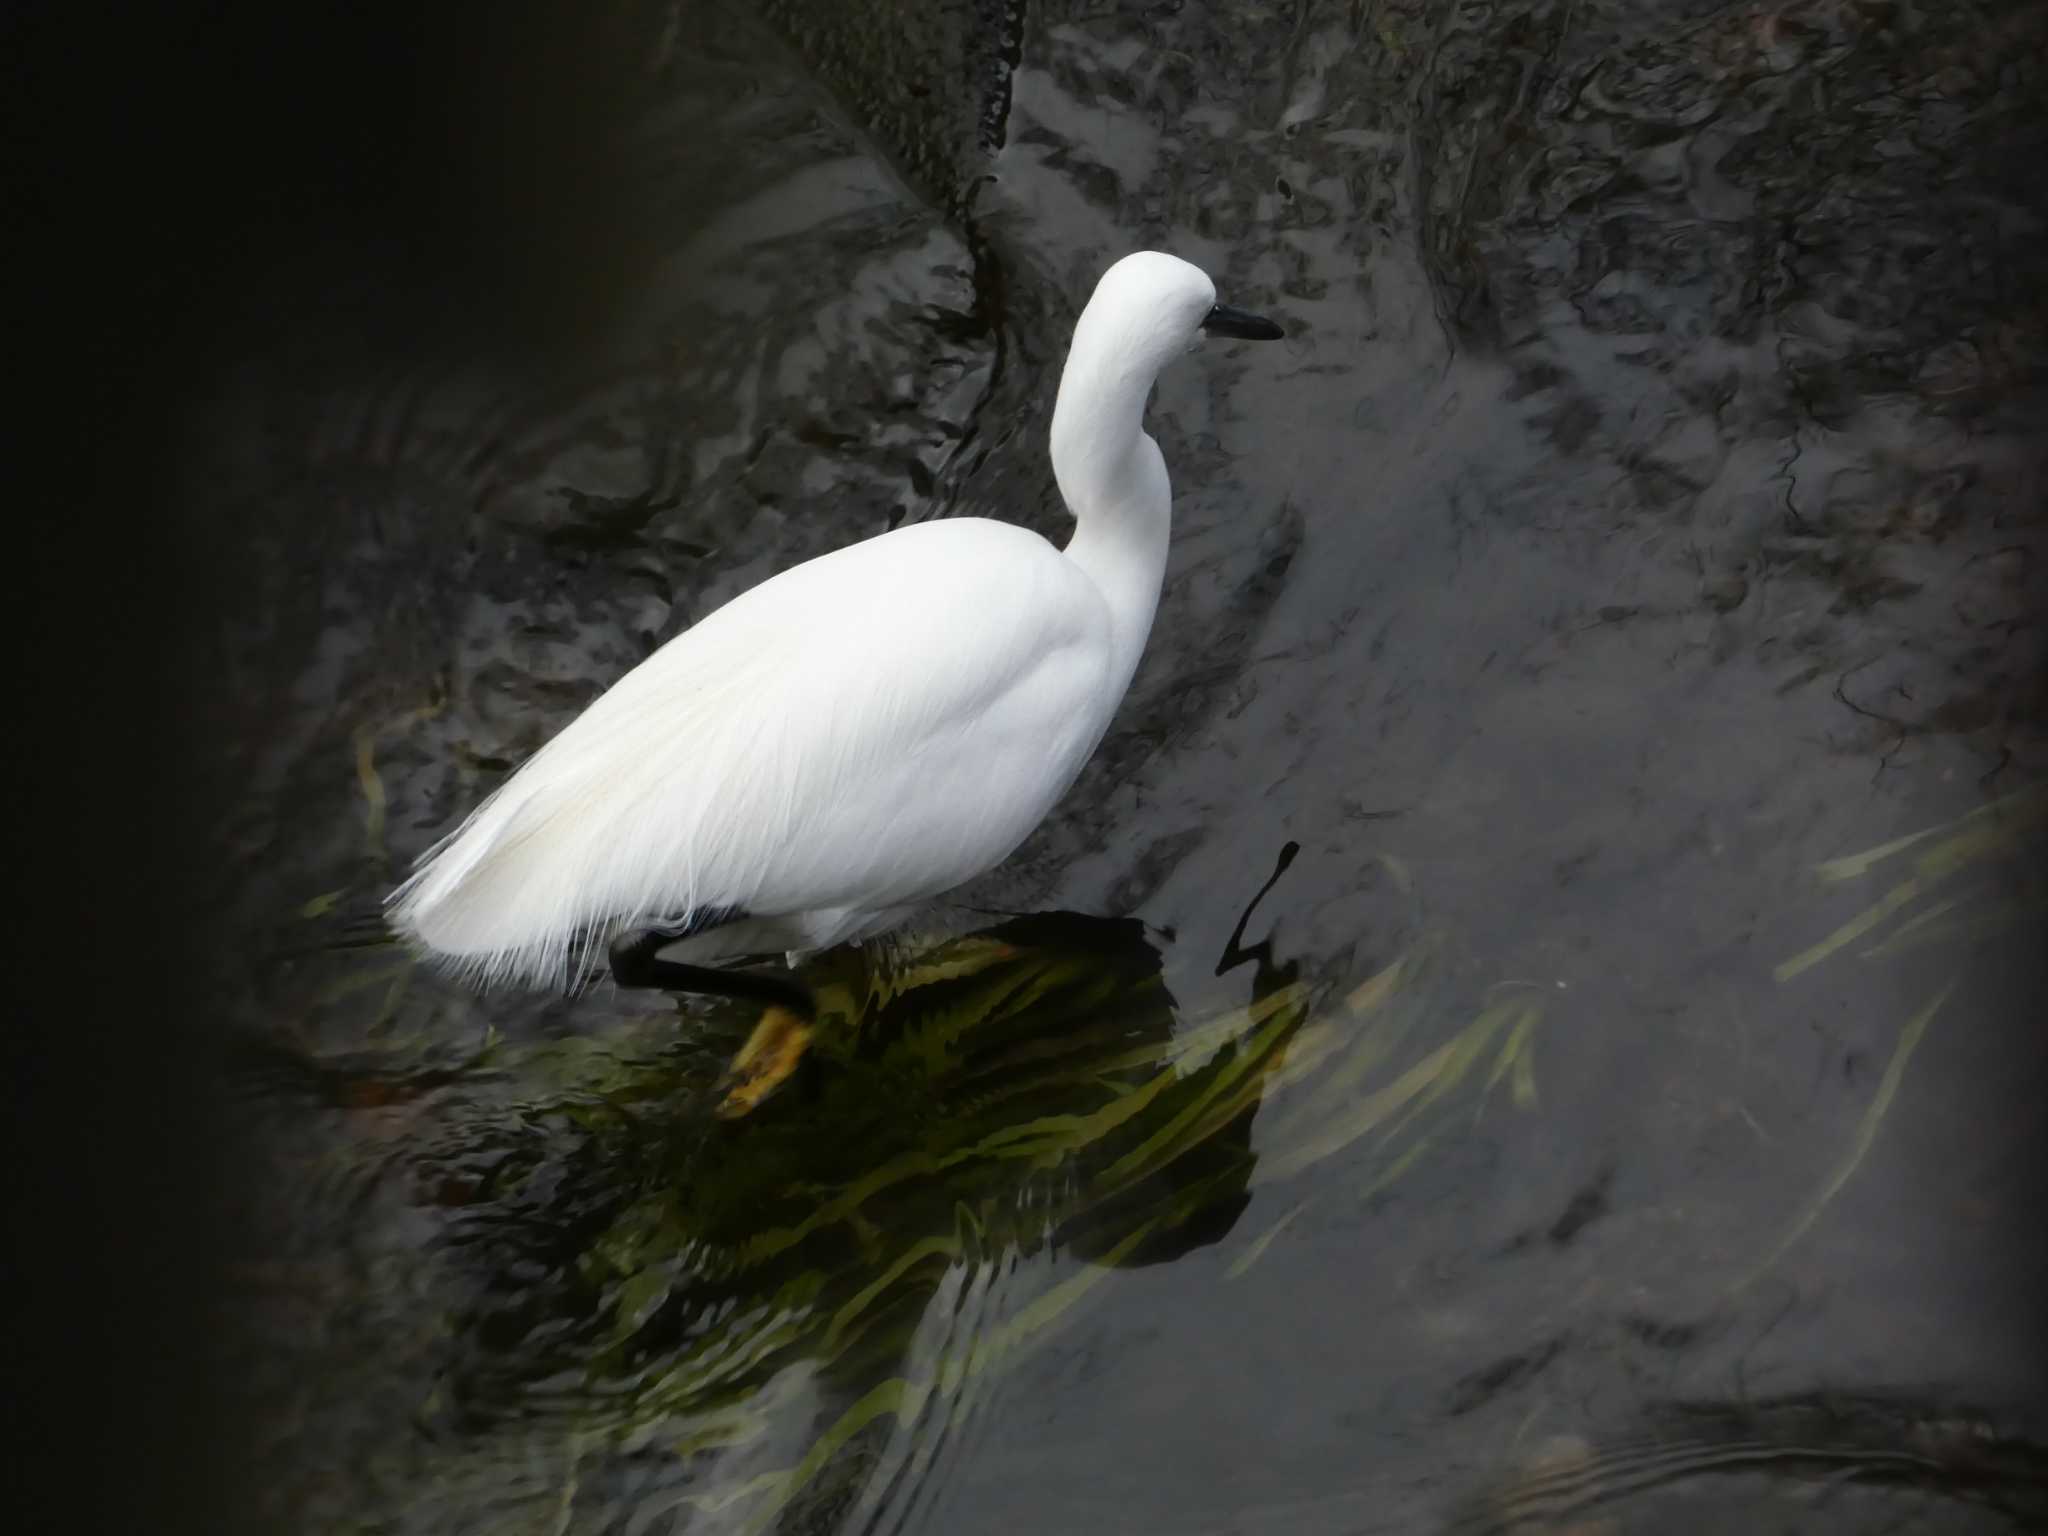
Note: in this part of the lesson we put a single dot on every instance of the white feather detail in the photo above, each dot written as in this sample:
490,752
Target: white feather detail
865,730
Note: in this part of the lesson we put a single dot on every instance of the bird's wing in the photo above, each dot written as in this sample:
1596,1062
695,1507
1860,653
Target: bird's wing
864,730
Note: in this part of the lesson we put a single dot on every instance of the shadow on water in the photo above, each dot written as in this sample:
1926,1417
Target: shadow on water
795,1314
1619,596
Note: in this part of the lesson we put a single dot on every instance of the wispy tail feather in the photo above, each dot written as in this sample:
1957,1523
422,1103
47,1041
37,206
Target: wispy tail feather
483,903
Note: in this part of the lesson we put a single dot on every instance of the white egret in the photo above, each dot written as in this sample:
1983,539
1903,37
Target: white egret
853,736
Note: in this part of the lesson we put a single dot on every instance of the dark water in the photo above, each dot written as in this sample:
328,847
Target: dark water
1642,521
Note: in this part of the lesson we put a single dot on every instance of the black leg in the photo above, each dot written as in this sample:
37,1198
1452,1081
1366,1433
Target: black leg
1234,954
635,963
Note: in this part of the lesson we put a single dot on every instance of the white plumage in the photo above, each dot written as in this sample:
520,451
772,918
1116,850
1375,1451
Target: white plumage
855,735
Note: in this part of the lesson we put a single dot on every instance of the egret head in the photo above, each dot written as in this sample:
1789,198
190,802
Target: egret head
1147,310
1150,307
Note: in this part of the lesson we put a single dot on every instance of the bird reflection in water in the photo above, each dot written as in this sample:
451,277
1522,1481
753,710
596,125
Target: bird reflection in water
969,1122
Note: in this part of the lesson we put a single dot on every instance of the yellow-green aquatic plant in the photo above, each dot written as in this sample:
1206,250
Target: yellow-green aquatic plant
1955,890
1008,1118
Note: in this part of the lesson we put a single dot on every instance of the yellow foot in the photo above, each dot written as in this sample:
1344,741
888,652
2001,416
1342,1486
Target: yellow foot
765,1062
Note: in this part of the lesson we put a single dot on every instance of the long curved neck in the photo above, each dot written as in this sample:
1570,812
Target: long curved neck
1113,479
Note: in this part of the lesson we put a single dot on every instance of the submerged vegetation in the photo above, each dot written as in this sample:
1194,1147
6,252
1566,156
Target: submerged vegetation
1967,881
1964,883
991,1126
789,1312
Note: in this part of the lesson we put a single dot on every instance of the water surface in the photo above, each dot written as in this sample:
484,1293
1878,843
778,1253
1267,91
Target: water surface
1478,1059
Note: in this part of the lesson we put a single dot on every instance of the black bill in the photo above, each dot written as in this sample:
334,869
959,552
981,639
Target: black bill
1240,325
